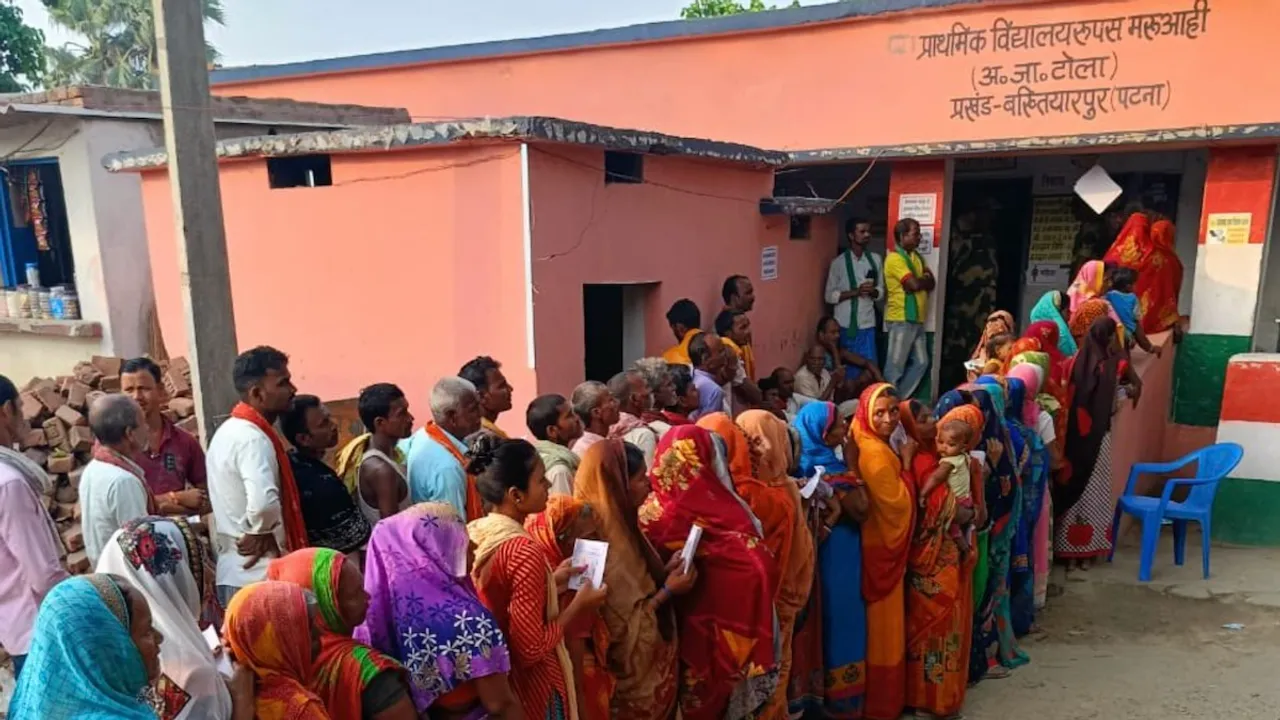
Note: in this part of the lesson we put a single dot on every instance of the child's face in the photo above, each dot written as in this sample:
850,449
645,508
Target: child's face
950,443
1002,351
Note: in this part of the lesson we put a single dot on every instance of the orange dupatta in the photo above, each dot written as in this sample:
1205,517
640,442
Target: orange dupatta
598,683
475,504
269,630
886,534
295,529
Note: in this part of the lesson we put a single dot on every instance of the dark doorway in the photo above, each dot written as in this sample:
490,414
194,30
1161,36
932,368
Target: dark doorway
990,232
602,327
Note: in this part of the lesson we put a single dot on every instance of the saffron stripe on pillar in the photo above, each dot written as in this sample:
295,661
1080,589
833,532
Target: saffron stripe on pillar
1248,502
1240,180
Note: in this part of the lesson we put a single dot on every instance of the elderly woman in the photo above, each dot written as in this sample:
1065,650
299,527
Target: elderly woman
662,386
886,543
93,652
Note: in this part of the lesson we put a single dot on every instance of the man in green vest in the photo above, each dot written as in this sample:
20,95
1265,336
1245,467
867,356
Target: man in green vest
908,282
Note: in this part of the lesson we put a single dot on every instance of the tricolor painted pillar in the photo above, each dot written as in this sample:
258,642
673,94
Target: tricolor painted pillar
1247,508
1234,222
914,185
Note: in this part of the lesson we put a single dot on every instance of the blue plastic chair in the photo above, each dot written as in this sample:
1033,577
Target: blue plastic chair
1215,462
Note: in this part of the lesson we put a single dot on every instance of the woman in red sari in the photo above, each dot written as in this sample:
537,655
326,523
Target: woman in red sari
886,542
1147,247
939,591
729,667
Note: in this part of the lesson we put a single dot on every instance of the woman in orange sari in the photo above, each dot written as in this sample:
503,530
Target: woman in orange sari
272,630
939,592
775,499
1147,247
886,542
556,529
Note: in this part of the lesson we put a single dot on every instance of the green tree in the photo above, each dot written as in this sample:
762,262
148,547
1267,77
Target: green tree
116,45
716,8
21,51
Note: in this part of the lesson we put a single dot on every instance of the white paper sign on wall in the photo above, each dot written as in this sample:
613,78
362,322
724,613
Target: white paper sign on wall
769,263
921,207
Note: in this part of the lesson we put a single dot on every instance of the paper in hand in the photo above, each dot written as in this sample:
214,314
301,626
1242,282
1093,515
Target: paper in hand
690,548
221,661
589,554
807,491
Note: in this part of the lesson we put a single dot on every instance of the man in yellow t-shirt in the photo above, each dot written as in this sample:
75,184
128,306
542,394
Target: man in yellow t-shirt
908,282
685,320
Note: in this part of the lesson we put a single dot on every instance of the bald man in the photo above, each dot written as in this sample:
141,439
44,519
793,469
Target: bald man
113,489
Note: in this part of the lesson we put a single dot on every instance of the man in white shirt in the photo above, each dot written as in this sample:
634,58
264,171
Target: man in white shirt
855,281
113,490
632,394
244,473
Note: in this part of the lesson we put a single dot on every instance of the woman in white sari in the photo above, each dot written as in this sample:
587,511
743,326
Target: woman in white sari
162,558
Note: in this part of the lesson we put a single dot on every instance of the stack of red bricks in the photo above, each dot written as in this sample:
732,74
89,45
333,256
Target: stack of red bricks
59,439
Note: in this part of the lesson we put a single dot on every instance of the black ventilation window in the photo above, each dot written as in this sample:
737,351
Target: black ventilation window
299,171
623,167
800,225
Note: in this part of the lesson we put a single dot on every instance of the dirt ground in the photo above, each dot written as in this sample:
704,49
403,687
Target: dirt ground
1119,651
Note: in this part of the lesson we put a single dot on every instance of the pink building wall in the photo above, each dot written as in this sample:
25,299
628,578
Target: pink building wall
413,262
665,231
385,276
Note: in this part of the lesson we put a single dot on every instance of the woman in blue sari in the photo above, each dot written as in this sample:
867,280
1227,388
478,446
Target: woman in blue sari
844,618
995,649
1021,417
93,652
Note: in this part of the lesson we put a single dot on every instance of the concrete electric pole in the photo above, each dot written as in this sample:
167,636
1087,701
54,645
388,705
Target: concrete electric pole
197,208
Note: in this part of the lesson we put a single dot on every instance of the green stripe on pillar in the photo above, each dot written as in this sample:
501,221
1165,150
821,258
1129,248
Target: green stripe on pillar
1245,512
1199,374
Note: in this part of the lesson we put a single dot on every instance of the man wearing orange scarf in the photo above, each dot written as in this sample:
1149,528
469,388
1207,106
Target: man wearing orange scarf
436,454
256,508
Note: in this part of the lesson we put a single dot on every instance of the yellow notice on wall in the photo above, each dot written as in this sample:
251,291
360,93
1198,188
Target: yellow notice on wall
1229,228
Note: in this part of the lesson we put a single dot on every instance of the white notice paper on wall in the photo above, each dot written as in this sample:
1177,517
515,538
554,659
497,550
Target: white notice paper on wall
921,207
769,263
589,554
691,546
926,240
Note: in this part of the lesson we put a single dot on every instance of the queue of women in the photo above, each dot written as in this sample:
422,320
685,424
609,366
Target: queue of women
906,572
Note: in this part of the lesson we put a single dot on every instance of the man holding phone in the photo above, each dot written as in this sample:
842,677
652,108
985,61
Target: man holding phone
855,282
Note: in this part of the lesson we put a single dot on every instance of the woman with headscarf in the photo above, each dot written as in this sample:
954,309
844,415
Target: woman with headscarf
886,543
841,620
733,674
271,630
1147,248
516,582
556,530
1083,504
456,658
775,499
93,652
353,679
1055,307
639,611
994,651
1023,416
1037,409
938,593
998,323
163,559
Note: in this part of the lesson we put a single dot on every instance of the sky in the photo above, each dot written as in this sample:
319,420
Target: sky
276,31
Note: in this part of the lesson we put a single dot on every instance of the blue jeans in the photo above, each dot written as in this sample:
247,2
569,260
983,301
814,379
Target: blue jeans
907,357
